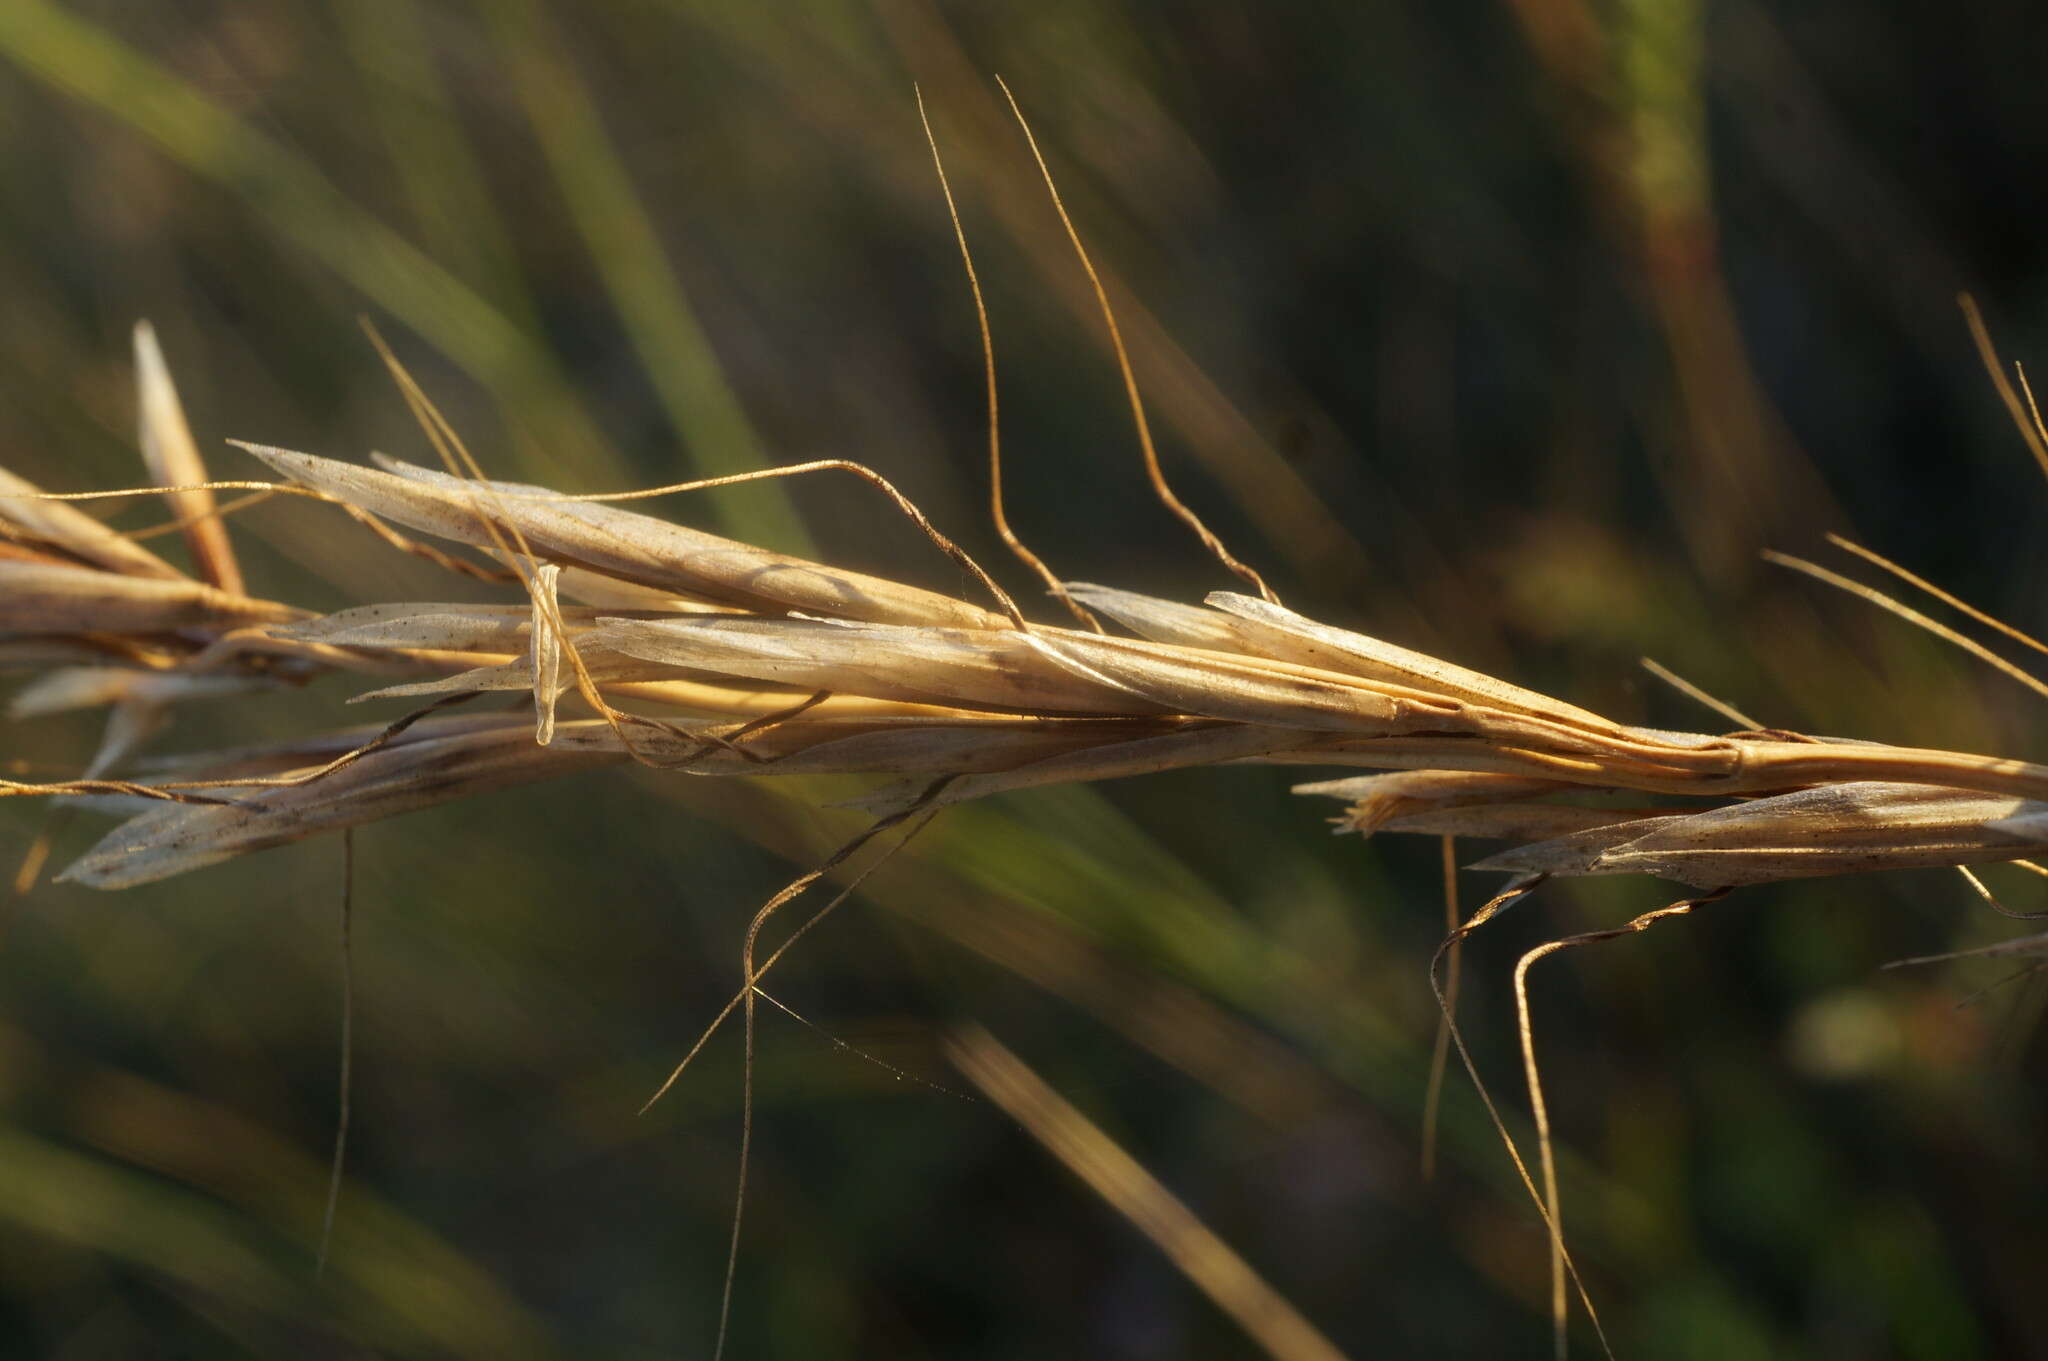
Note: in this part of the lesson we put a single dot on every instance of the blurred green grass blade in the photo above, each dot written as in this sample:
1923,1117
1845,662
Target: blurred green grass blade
400,1288
106,1209
1072,855
1660,63
1074,850
1072,858
677,355
451,200
83,60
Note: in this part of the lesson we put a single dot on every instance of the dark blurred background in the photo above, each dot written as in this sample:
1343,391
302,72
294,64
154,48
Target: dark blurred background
1510,331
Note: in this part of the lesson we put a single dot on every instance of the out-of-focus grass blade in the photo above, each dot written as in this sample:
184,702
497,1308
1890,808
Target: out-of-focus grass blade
673,348
71,54
409,1293
1112,1173
458,216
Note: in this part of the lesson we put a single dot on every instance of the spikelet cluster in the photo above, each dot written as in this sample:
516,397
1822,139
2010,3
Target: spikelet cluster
676,648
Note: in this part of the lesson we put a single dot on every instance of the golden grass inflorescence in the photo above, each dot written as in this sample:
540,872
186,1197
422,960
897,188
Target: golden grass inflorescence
689,652
713,657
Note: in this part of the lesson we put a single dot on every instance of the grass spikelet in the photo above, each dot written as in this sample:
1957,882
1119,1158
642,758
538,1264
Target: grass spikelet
172,457
1833,829
31,518
380,784
49,598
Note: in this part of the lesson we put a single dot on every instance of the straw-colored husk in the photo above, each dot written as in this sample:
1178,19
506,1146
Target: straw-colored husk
770,664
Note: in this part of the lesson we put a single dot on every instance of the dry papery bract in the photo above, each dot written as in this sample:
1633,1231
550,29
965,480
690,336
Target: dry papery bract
682,650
